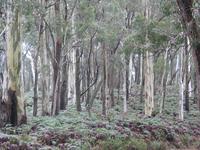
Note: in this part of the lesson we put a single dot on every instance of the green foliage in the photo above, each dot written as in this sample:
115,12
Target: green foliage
14,140
26,138
152,121
185,139
167,7
86,18
140,28
85,146
123,144
130,45
102,133
159,65
156,37
157,145
147,35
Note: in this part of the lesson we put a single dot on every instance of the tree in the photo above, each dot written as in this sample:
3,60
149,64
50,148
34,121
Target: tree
14,96
56,62
65,62
192,29
181,85
148,70
44,62
164,80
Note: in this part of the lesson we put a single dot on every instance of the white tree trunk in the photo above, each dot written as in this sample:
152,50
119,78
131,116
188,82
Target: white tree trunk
141,69
148,67
44,74
72,65
124,95
190,68
149,84
181,86
177,68
163,82
131,72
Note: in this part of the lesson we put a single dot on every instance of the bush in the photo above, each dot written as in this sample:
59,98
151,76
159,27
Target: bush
122,144
156,145
185,139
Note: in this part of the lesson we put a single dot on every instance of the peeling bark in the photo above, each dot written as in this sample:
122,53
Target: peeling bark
14,89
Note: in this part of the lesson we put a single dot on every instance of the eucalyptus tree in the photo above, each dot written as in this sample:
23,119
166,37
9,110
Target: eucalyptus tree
189,12
44,61
3,72
57,59
14,95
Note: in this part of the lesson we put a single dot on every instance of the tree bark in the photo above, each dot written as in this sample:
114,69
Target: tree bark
64,85
103,88
35,89
17,113
148,70
56,62
148,85
78,81
126,83
181,86
142,78
89,71
192,30
186,81
96,90
163,82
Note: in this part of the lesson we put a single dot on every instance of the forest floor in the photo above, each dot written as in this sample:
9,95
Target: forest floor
71,130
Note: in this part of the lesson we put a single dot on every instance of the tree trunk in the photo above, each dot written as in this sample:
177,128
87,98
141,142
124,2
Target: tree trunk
170,76
181,86
186,68
148,85
163,82
15,92
126,83
93,95
44,66
142,78
64,84
111,84
131,72
118,87
137,67
192,29
177,69
104,76
78,81
35,89
148,70
190,68
56,62
39,47
89,72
